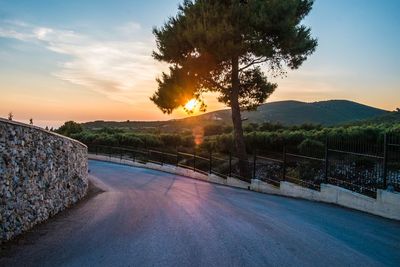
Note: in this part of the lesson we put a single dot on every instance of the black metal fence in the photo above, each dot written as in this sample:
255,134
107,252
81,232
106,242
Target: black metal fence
356,165
221,165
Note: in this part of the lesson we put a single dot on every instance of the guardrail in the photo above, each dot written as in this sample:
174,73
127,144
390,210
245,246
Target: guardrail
357,170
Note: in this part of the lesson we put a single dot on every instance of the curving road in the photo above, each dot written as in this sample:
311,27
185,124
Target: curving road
148,218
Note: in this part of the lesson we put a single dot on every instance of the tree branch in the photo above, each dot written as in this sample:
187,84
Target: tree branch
254,61
216,84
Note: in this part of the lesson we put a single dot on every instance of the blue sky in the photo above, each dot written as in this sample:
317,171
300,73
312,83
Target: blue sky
86,60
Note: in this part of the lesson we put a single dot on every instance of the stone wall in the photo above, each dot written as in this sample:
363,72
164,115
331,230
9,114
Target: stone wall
41,173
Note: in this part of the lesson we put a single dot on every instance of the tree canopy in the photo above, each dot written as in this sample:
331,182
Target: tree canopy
201,40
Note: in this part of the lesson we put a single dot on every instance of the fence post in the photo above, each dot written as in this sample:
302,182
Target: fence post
120,154
96,150
194,160
326,159
284,162
210,161
230,164
162,158
385,160
254,164
177,157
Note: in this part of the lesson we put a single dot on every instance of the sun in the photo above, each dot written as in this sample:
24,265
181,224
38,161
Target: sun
191,104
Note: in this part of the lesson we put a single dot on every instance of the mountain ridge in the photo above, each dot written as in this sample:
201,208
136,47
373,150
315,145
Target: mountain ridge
287,112
292,112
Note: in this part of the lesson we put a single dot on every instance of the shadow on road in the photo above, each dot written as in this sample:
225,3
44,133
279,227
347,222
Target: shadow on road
29,238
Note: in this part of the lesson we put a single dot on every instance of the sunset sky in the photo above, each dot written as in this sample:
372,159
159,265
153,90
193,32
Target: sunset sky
91,59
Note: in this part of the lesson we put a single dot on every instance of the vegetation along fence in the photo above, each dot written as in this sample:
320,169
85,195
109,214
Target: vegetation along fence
358,165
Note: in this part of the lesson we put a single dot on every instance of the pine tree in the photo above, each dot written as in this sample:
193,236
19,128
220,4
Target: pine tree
225,46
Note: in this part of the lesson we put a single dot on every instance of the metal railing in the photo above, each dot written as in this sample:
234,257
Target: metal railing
218,165
357,166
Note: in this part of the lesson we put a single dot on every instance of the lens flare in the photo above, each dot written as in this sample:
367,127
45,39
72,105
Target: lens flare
191,104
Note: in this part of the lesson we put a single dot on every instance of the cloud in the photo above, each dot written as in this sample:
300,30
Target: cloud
130,28
121,69
41,33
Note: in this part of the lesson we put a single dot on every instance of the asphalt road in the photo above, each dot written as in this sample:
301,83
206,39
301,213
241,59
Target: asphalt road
149,218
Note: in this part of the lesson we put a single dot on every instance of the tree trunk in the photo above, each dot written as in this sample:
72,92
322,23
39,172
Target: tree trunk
237,122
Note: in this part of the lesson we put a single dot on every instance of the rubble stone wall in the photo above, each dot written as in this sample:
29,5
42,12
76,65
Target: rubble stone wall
41,174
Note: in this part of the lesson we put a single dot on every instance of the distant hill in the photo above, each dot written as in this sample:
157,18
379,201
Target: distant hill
332,112
328,113
388,118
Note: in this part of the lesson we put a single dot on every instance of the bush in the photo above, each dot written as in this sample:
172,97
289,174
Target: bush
69,128
171,140
216,129
311,148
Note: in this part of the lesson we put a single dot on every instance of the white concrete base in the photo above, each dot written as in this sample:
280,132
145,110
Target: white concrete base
387,204
294,190
234,182
260,186
216,179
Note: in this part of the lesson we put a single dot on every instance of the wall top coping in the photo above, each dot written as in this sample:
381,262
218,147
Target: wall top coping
16,123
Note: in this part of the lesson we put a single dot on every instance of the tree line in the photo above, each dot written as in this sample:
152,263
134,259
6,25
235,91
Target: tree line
219,138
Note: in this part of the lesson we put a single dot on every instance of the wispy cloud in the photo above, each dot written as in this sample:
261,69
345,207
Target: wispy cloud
122,69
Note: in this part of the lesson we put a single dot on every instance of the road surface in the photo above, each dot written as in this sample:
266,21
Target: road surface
149,218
